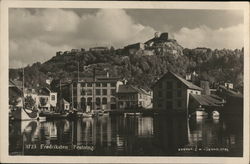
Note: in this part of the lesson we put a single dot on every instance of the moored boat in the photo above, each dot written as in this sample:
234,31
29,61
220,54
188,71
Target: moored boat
24,114
215,115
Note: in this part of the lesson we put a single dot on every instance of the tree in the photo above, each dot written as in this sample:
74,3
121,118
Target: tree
29,102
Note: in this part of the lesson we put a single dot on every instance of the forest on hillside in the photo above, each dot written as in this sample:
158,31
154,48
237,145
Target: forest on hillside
141,70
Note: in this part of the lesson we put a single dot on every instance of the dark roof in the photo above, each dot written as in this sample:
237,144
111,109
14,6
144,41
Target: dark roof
15,83
130,89
231,92
185,82
99,79
207,100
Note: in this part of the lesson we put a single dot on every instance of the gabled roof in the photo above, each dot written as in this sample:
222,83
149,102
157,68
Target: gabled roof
64,101
130,89
185,82
206,100
231,92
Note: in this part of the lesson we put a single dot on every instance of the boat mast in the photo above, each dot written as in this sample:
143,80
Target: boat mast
23,86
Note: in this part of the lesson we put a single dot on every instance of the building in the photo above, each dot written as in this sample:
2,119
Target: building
229,85
65,105
75,50
234,100
200,50
133,48
47,100
15,95
99,49
92,93
130,97
157,39
172,92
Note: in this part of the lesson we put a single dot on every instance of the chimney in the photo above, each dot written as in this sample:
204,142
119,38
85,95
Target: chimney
205,86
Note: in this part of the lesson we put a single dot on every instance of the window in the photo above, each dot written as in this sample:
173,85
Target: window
98,84
104,100
179,103
169,105
113,100
178,84
98,101
82,84
191,91
89,100
169,85
83,92
169,95
112,84
179,93
89,84
104,84
113,91
104,92
83,102
89,91
197,93
53,97
98,92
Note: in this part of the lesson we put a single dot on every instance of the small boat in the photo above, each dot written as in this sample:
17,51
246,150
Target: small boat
53,115
24,114
105,113
200,113
87,115
132,114
215,115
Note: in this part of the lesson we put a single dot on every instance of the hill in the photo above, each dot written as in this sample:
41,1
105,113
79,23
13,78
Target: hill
138,67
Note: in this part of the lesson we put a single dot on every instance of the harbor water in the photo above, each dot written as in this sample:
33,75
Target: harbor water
128,136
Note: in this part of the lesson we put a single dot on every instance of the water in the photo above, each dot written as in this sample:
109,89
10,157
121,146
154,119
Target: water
128,136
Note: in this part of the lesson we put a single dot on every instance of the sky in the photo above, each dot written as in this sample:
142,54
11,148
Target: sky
35,35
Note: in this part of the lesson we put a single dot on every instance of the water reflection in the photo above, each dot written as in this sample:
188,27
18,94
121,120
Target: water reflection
129,136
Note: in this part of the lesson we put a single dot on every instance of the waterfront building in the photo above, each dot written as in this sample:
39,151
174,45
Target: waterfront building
94,93
172,93
15,95
47,100
129,96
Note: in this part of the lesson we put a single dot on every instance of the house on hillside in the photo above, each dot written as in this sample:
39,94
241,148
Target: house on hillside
133,48
163,37
131,97
99,49
172,93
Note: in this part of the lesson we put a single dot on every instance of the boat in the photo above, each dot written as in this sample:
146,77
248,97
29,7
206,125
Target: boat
132,114
200,113
24,114
215,115
87,115
105,113
53,115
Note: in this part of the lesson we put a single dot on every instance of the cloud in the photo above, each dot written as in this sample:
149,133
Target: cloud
203,36
29,51
36,35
